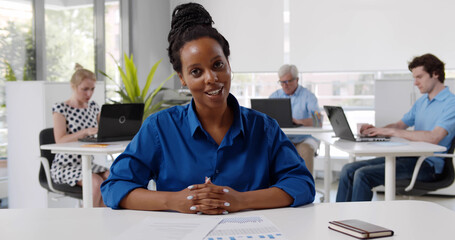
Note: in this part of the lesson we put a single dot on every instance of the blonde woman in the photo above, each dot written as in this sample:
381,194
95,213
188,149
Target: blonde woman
75,118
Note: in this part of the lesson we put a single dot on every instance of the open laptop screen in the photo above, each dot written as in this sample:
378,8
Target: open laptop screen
277,108
339,122
118,122
341,127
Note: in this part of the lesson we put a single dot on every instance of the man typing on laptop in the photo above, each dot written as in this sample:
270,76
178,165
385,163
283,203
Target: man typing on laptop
433,118
304,104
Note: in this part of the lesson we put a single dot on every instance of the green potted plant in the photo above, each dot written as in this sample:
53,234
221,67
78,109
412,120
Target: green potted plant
131,92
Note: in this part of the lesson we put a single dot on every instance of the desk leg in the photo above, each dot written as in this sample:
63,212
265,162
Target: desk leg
327,173
87,196
390,177
351,158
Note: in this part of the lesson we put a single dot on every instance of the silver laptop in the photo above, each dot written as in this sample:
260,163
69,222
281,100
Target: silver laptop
341,127
277,108
118,122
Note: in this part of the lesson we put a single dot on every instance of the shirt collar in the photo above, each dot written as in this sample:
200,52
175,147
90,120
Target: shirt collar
445,93
296,92
193,120
237,124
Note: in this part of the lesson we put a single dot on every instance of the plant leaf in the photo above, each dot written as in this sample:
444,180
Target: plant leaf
152,95
124,96
131,72
104,74
126,78
149,79
152,109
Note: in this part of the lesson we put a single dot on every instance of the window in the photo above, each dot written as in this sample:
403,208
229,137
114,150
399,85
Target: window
17,53
69,34
353,91
69,28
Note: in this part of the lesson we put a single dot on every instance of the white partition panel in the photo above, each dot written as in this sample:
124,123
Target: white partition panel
29,111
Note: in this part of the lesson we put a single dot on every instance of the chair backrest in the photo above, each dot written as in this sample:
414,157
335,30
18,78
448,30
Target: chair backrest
448,173
447,177
46,136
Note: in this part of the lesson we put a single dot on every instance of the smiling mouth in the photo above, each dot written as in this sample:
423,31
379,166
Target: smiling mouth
215,92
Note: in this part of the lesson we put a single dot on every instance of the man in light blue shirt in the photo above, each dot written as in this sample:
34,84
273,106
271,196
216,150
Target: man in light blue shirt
433,118
304,105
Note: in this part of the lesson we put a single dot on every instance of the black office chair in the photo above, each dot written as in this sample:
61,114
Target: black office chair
46,136
417,188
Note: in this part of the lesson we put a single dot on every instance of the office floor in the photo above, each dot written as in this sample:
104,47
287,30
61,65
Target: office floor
448,202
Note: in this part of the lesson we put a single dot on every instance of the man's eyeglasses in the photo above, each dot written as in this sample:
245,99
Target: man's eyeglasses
286,81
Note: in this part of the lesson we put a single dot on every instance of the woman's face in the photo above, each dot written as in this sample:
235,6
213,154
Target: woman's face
84,91
206,72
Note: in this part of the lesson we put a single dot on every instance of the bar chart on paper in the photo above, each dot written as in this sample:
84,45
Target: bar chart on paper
245,228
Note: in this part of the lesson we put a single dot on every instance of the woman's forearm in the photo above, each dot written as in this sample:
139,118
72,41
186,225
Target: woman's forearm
143,199
266,198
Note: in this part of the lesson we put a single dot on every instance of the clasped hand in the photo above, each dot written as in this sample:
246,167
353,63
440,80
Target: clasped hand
209,198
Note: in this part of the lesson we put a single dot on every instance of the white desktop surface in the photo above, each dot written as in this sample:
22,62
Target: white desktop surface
86,152
397,147
408,219
77,148
306,130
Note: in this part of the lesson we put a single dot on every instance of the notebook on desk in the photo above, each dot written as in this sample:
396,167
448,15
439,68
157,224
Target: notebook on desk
277,108
118,122
341,127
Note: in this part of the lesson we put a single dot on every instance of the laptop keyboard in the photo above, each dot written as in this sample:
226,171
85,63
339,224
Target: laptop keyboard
90,138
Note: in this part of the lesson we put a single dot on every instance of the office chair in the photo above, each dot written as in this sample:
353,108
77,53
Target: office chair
417,188
46,136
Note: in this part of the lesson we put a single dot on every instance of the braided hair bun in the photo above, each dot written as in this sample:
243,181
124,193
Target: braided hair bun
190,21
188,15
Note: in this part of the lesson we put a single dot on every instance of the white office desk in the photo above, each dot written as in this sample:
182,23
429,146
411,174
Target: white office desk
414,220
327,165
306,130
86,152
396,148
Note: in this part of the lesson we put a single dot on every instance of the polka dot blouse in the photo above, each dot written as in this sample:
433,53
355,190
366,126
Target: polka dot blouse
67,168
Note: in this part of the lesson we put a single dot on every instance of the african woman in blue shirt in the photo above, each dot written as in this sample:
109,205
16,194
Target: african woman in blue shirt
211,156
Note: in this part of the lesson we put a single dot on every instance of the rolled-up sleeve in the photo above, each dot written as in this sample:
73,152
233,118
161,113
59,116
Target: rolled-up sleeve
289,170
134,168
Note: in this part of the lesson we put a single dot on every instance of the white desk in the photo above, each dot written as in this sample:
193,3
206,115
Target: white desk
306,130
414,220
378,149
327,164
86,152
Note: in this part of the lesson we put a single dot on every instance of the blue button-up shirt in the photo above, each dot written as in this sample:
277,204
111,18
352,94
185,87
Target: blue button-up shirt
174,150
425,115
303,102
